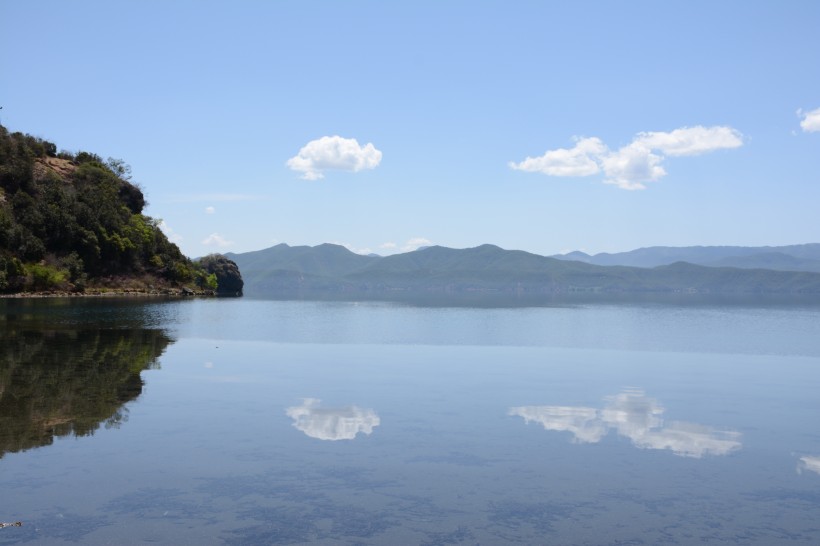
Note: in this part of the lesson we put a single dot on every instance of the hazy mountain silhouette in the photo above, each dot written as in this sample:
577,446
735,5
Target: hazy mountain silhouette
327,268
784,258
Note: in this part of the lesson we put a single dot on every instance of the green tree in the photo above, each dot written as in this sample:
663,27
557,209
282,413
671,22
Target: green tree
78,224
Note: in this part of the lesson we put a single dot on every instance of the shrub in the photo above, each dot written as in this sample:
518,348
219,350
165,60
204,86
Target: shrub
46,277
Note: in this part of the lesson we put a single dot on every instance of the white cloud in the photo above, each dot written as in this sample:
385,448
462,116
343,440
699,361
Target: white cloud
175,238
689,440
634,415
415,243
635,164
691,140
215,239
210,210
810,463
332,423
583,423
364,251
811,120
336,153
388,246
581,160
631,166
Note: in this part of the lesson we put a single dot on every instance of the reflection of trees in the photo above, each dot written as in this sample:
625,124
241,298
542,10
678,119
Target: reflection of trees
332,423
636,416
61,382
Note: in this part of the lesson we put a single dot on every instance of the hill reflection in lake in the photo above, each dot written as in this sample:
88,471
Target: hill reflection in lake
62,382
229,444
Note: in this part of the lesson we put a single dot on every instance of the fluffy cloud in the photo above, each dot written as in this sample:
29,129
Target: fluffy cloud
810,463
175,238
631,166
412,244
389,247
639,418
357,250
811,120
689,440
691,140
215,239
583,423
415,243
580,160
334,152
332,423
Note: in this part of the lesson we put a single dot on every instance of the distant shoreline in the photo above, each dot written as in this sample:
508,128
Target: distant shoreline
110,293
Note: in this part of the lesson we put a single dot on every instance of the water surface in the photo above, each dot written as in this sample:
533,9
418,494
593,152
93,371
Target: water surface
276,422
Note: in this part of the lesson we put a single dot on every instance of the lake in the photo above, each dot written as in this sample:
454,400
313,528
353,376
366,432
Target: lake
242,421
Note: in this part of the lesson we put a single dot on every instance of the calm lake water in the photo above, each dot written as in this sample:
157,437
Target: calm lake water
279,422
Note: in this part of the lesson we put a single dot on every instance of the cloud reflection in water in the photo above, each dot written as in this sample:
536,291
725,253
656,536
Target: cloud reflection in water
636,416
332,423
810,463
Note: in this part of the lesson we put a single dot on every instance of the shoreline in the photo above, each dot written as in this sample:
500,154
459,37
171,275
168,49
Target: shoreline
104,293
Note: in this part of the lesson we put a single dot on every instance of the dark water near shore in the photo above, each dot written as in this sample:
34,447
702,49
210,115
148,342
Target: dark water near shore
280,422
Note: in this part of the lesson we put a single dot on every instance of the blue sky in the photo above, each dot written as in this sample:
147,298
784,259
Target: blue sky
542,126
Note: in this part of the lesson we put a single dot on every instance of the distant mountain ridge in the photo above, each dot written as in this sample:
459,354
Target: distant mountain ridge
488,268
287,268
804,257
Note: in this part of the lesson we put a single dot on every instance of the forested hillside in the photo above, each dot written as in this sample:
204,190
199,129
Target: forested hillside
73,221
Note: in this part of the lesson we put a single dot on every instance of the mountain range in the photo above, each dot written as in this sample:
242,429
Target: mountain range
781,258
332,269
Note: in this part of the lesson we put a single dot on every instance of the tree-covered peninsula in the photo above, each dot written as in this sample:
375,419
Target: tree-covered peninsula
73,222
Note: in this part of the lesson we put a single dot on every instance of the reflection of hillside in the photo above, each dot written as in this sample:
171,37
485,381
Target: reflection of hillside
332,423
636,416
62,382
